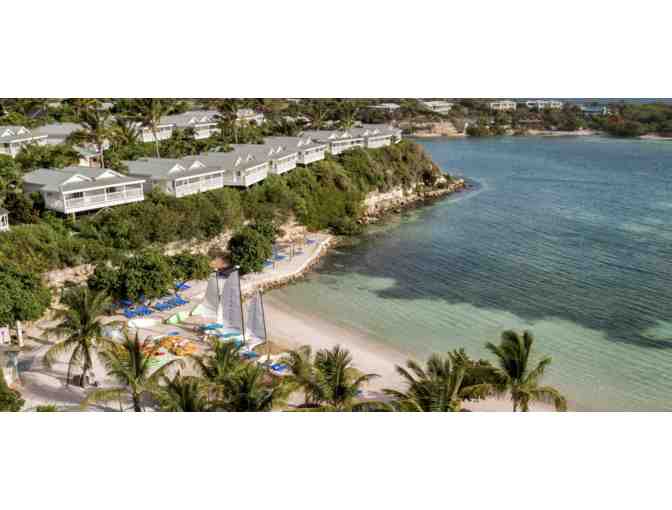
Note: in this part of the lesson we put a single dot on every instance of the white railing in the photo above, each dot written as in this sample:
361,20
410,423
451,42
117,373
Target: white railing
198,187
100,200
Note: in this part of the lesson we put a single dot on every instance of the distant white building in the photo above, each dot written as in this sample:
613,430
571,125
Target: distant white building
75,189
248,115
437,106
4,220
543,104
14,138
386,107
503,106
203,122
164,130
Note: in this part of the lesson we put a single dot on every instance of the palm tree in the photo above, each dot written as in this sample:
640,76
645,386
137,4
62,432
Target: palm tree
124,132
183,394
228,116
148,112
302,373
317,114
95,128
80,325
130,363
515,376
442,385
218,367
246,391
348,115
337,383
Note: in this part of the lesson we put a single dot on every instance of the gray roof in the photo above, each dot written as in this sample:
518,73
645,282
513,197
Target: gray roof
324,135
158,169
267,151
292,142
62,130
55,179
12,135
191,119
227,160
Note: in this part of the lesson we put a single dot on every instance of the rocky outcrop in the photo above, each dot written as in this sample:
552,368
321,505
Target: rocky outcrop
377,205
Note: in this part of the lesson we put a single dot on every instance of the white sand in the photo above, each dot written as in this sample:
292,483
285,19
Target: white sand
293,329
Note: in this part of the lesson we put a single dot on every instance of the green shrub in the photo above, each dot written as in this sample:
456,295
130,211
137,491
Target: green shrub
249,249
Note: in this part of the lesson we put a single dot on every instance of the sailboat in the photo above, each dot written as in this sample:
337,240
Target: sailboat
223,303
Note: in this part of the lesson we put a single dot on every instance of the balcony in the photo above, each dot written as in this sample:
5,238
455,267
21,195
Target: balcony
198,187
98,200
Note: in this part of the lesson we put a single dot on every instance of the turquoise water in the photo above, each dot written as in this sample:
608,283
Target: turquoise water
569,237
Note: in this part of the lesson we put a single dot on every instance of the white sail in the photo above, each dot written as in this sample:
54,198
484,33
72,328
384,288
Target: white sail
230,302
255,321
222,300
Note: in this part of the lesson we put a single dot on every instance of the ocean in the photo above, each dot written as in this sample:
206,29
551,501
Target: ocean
570,237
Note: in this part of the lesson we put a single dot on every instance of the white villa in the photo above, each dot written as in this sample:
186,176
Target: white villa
249,115
437,106
163,131
376,135
204,122
386,107
75,189
282,159
307,149
503,106
240,167
4,220
177,177
13,138
337,141
542,104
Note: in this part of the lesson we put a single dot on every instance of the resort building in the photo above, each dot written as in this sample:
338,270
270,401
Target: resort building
240,167
308,150
177,177
248,115
204,123
543,104
282,159
337,141
4,220
14,138
375,135
386,107
163,131
437,106
74,189
503,106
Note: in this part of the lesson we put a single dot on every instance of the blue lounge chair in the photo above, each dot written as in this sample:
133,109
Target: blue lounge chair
280,257
182,286
129,314
126,302
310,241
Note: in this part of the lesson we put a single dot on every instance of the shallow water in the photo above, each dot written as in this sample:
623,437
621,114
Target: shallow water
569,237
